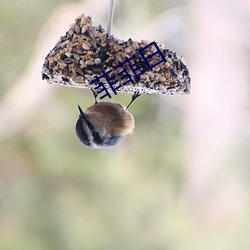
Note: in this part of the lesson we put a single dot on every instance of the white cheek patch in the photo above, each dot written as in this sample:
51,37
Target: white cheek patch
89,133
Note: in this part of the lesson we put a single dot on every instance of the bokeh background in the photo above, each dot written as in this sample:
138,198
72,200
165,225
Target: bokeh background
180,182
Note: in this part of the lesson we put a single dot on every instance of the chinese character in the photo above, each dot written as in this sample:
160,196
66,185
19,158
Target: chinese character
126,75
158,51
132,68
102,86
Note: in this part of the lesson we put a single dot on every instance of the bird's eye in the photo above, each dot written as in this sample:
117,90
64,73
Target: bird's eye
91,58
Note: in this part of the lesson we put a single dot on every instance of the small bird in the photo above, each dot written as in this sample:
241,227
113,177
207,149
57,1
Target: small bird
104,124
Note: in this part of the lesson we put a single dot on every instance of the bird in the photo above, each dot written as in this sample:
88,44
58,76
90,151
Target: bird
104,124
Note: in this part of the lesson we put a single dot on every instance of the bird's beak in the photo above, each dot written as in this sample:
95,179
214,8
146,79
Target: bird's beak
82,115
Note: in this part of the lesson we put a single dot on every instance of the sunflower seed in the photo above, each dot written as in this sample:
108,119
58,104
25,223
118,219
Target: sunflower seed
85,46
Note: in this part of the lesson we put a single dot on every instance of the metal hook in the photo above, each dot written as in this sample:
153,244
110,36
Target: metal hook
110,16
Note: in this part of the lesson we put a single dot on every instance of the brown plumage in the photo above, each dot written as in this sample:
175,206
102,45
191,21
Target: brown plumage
104,124
110,117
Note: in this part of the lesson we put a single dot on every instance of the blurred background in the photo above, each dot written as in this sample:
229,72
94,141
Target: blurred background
180,182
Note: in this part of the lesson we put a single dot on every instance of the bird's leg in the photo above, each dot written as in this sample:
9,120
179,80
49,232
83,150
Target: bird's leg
94,94
134,97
